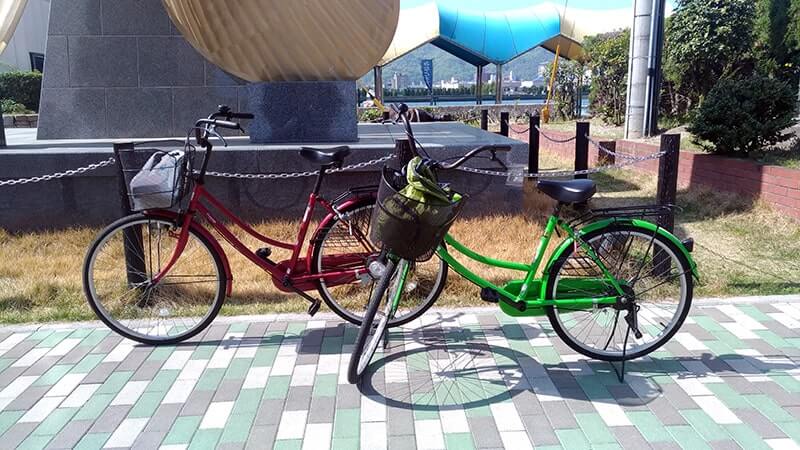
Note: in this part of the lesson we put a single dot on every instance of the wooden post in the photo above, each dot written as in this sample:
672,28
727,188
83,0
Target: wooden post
668,177
581,148
133,246
385,116
603,158
485,119
533,143
504,118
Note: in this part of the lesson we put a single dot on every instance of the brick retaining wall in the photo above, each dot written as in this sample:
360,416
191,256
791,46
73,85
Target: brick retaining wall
777,186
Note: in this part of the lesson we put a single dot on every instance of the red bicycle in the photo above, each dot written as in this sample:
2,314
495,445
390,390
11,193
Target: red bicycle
160,276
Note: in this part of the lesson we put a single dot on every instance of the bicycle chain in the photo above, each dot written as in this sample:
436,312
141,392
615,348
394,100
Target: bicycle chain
58,175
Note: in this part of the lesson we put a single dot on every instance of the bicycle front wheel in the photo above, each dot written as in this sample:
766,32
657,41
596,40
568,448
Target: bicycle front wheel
380,311
118,281
655,275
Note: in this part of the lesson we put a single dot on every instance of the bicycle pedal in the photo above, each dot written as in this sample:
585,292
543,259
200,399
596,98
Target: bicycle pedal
264,253
490,295
314,308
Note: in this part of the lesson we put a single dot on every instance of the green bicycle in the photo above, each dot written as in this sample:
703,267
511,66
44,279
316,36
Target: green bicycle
617,288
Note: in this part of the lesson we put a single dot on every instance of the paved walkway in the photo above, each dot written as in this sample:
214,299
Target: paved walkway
730,379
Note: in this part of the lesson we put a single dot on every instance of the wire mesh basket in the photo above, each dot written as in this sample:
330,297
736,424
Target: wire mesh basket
411,229
155,174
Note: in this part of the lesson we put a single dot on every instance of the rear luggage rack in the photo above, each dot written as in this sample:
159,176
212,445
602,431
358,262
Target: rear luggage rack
625,212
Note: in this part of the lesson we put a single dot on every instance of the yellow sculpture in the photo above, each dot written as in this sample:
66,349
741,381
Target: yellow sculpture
289,40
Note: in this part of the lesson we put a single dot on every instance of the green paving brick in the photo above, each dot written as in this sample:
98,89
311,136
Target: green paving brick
35,442
114,383
5,362
794,341
787,382
458,441
238,368
265,356
345,444
346,423
93,441
52,376
9,418
704,425
325,385
730,397
210,379
708,323
288,444
769,408
649,426
573,439
39,335
182,430
163,380
746,437
80,333
729,339
595,429
604,447
331,345
203,352
92,409
295,329
792,429
547,355
247,402
161,353
237,328
55,422
687,437
237,429
773,339
95,337
88,363
54,339
277,387
147,405
755,313
479,411
593,386
205,439
719,347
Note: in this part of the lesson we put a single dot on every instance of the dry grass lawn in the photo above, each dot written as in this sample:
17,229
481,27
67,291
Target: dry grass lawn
40,273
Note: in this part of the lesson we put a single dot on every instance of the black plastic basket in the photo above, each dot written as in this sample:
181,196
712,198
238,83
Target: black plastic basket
410,229
171,180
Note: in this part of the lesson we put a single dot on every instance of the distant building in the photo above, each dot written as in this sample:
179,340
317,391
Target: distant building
26,48
450,85
399,81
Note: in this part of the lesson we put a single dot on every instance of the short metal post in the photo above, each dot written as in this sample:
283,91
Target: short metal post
581,148
2,133
668,178
606,159
533,143
485,119
133,247
385,115
504,119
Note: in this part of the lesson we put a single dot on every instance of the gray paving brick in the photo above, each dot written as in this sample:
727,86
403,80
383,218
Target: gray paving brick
793,410
717,315
559,415
724,445
526,403
228,390
107,344
42,365
781,330
231,446
216,333
70,435
299,398
322,410
402,442
197,403
627,398
256,330
698,332
741,385
100,373
149,441
147,371
163,418
760,424
308,356
110,419
347,396
629,437
269,412
10,374
277,326
21,349
677,397
665,412
28,398
484,432
779,394
400,421
665,446
135,359
17,433
335,331
262,437
539,430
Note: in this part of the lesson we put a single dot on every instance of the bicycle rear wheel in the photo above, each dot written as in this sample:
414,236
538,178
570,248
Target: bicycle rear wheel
656,277
118,278
380,311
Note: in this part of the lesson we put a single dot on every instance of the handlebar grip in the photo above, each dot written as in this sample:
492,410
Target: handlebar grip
226,124
242,116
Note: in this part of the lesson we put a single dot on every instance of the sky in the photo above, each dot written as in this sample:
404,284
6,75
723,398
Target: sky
490,5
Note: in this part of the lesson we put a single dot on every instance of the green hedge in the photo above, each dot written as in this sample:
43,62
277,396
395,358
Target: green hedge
22,87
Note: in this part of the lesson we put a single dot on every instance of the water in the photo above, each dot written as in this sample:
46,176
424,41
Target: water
446,102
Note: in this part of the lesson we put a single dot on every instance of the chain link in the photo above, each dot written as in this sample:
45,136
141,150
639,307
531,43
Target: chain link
287,176
613,153
58,175
554,140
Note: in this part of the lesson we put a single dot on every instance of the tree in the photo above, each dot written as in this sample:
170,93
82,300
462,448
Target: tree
566,89
777,42
607,58
707,40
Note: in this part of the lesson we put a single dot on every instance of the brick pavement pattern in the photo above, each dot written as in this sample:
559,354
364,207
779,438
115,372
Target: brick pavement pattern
729,379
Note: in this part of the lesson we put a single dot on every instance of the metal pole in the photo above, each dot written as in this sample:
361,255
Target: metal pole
485,119
479,86
504,123
133,247
377,73
2,133
638,68
581,148
533,143
498,85
654,74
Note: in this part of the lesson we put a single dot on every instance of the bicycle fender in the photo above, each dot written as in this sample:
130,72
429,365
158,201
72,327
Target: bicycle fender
643,224
214,243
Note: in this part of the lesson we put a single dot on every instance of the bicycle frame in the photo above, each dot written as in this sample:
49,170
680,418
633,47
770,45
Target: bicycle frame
528,297
293,275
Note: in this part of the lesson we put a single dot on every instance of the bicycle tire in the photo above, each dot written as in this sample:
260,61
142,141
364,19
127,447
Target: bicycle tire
353,372
102,314
678,319
335,305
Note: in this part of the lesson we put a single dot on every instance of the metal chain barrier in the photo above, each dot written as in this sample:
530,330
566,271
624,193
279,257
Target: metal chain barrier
292,175
58,175
608,152
554,140
510,127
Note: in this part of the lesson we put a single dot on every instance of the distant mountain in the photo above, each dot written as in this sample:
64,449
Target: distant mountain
446,66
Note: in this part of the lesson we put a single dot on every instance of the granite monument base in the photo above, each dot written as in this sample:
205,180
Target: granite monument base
298,112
